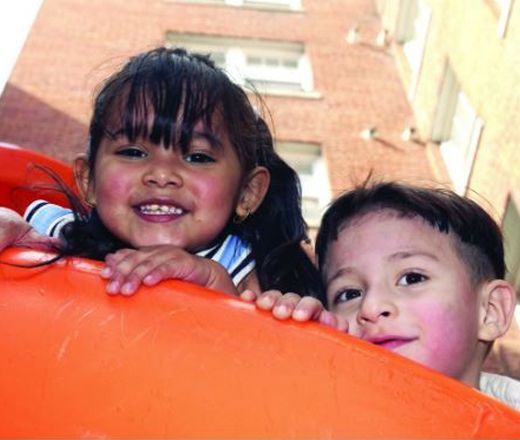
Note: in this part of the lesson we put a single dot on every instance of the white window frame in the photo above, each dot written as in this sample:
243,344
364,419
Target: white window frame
284,5
413,22
458,129
307,161
294,5
281,79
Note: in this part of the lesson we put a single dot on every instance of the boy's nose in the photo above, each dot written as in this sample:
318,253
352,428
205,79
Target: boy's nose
376,305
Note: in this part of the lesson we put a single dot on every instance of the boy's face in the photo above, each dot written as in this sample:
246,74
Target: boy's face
401,285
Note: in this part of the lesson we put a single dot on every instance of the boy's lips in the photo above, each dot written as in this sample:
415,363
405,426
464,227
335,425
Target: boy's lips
390,342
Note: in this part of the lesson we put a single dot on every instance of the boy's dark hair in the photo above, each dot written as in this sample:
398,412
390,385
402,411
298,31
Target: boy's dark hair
174,85
476,236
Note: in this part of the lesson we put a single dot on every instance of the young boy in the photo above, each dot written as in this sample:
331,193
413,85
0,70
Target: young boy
417,271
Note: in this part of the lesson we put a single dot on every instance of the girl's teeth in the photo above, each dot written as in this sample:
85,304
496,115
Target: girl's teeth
155,209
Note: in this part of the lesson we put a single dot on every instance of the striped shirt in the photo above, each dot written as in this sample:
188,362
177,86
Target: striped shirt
233,253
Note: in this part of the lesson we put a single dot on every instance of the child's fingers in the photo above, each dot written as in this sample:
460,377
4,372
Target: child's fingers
248,295
34,240
307,309
332,320
267,299
113,286
132,262
285,305
126,270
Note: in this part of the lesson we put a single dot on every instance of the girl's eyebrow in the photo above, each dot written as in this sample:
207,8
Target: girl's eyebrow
207,135
116,134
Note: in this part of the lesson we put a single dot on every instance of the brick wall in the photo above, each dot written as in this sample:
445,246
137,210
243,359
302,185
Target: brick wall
74,44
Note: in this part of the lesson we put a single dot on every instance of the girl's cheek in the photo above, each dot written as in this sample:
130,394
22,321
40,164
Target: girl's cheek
114,184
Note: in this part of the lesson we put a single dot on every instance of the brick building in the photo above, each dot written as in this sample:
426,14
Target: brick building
320,90
459,63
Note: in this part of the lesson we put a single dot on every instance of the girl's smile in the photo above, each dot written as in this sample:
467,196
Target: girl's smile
159,211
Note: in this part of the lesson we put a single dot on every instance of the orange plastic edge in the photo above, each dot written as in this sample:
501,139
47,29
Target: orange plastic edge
178,360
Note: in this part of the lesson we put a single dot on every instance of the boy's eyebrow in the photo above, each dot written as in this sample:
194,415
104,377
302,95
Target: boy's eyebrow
413,253
401,255
340,272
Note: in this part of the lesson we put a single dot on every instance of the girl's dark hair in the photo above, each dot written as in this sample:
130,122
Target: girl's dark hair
179,89
476,236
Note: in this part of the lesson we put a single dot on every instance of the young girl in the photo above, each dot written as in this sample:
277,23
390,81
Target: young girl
180,180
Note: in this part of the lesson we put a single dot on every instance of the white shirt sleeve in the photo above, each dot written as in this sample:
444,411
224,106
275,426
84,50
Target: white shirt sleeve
503,388
47,218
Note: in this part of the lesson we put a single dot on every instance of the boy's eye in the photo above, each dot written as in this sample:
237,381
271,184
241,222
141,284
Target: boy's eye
347,295
411,278
199,158
131,152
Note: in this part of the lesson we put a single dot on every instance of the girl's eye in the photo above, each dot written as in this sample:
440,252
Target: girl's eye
198,158
133,152
347,295
411,278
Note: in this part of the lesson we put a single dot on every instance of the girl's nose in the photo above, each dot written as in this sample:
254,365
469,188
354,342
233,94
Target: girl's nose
376,305
163,175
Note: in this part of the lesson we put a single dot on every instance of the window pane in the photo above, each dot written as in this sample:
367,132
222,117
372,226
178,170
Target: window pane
265,64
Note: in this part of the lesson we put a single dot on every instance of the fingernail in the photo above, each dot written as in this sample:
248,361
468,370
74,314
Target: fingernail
281,311
106,272
247,295
112,287
127,289
299,314
265,301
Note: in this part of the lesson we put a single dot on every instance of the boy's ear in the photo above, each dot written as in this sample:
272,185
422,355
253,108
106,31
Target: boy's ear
82,177
497,307
253,192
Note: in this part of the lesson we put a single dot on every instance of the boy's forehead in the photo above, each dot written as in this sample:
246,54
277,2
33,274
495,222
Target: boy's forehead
389,230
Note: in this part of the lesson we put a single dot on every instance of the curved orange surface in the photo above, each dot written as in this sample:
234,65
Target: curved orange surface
20,179
181,361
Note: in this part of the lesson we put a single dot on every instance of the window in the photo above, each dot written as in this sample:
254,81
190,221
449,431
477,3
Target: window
413,20
308,162
511,231
458,129
289,5
269,66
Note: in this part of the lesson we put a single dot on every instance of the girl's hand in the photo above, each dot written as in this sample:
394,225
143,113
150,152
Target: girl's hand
127,269
292,305
15,231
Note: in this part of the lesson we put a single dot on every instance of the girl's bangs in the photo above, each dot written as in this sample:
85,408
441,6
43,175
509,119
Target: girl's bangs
162,109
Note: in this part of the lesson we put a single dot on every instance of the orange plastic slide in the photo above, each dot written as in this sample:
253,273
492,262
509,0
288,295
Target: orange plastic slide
179,361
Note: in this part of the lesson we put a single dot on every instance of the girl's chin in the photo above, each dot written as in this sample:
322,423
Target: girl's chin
151,240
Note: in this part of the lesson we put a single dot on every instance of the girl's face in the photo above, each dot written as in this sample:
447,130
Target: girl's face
149,195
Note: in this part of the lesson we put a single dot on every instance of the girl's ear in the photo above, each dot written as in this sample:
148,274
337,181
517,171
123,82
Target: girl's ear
497,306
253,192
82,178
